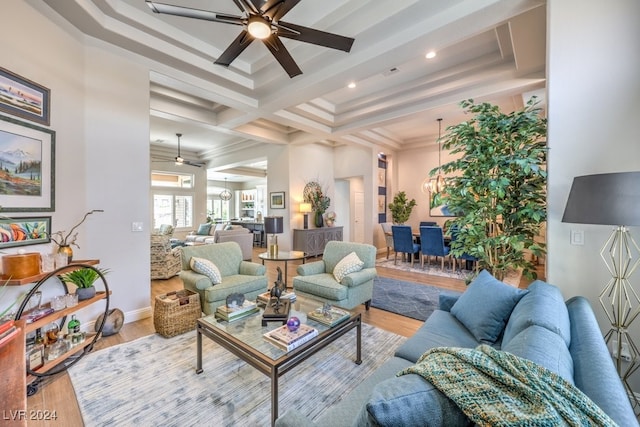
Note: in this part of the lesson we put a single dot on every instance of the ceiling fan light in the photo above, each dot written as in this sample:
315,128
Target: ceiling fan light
179,160
258,27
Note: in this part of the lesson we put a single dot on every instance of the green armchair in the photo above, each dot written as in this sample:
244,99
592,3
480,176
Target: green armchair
248,278
316,279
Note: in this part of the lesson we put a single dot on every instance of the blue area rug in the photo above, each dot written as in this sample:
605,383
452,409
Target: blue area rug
405,298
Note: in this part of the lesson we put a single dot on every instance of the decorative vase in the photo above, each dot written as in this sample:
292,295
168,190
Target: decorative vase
86,293
65,249
318,220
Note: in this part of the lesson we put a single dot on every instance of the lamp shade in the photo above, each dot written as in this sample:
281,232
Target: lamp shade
305,207
273,224
606,199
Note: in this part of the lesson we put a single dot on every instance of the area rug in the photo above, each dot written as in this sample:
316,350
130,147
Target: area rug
431,269
152,381
408,299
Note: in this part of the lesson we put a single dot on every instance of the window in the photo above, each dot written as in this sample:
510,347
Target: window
218,209
171,203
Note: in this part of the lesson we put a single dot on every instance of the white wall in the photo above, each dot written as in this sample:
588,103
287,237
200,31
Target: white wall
100,112
593,94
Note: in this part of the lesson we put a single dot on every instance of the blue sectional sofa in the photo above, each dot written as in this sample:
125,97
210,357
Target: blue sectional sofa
535,324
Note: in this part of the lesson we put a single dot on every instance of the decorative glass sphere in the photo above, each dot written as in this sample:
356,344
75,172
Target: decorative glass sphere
293,324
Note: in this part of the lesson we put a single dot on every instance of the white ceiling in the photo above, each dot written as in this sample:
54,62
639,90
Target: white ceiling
488,50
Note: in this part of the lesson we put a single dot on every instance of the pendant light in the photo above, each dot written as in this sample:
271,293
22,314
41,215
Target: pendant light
225,194
435,186
439,186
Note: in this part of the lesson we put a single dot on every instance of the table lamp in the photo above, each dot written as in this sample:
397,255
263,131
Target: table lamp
305,208
273,225
613,199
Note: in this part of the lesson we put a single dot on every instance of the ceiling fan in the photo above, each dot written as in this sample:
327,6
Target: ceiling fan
180,161
261,20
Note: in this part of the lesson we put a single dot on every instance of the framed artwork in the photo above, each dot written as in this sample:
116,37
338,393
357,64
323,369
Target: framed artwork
436,209
27,167
24,98
276,200
382,188
24,231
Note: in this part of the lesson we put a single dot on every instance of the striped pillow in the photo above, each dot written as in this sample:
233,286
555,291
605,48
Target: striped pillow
206,267
349,264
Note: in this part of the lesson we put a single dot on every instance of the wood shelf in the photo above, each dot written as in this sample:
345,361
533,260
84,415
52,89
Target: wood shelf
64,312
32,279
50,364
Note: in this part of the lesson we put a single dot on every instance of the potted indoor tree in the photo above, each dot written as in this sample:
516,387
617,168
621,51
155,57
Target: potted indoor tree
401,208
84,278
496,188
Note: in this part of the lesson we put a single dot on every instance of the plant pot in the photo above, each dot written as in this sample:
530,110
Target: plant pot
86,293
318,221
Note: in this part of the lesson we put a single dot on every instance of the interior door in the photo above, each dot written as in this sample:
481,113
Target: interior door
358,217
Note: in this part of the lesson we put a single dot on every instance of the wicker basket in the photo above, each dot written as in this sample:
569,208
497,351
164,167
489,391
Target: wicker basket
176,312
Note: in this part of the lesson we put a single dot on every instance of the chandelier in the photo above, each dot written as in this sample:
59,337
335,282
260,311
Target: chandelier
225,194
437,185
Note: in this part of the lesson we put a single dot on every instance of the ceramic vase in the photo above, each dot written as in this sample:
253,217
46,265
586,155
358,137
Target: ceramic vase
66,250
318,220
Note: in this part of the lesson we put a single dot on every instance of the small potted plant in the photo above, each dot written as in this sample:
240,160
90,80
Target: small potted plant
84,279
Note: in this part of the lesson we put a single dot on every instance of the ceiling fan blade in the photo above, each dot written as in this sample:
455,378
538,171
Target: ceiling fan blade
235,48
247,7
187,162
187,12
313,36
281,53
276,9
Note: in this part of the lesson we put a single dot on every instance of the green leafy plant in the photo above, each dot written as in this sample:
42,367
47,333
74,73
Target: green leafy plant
7,310
497,187
401,208
83,277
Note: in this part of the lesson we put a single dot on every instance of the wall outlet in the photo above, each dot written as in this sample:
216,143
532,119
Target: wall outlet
624,351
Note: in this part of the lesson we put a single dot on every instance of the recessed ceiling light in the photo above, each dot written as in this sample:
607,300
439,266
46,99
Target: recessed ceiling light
351,85
431,54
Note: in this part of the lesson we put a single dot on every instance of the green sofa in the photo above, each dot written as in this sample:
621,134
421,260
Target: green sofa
316,279
248,278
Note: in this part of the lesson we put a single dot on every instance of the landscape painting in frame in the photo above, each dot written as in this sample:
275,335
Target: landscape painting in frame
24,231
24,98
26,167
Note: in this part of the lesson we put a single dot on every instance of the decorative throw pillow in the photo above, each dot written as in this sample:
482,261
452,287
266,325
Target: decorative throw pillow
203,229
206,267
347,265
485,306
228,227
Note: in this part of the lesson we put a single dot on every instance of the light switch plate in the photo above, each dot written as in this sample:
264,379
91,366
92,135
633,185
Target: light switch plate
577,237
137,226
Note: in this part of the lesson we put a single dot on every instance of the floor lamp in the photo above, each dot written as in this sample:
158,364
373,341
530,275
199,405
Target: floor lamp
613,199
273,225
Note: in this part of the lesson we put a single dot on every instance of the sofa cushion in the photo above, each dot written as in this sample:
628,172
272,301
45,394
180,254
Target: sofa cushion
206,267
203,229
441,329
544,347
485,306
347,265
410,400
543,305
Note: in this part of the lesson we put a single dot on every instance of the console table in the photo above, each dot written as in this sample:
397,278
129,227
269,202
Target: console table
313,240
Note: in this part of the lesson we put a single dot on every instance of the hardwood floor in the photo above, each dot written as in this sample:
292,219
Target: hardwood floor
56,393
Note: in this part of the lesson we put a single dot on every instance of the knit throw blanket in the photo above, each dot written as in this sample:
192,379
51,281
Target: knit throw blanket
496,388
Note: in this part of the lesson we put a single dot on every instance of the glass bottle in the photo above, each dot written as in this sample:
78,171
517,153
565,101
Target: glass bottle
35,353
58,348
74,325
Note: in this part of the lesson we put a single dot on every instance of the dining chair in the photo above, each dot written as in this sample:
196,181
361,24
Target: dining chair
432,244
453,232
388,237
403,242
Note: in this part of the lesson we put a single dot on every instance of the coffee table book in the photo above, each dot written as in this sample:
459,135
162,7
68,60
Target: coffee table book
333,317
266,296
233,313
287,340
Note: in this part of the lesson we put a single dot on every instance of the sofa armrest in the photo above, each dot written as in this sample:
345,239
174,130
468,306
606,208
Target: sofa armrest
359,277
252,268
446,299
293,418
310,268
194,281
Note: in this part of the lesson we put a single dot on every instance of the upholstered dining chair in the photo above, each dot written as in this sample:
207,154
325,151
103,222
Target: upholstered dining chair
428,223
403,242
432,244
388,237
453,232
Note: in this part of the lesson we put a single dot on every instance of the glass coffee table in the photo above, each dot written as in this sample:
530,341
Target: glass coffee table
244,339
